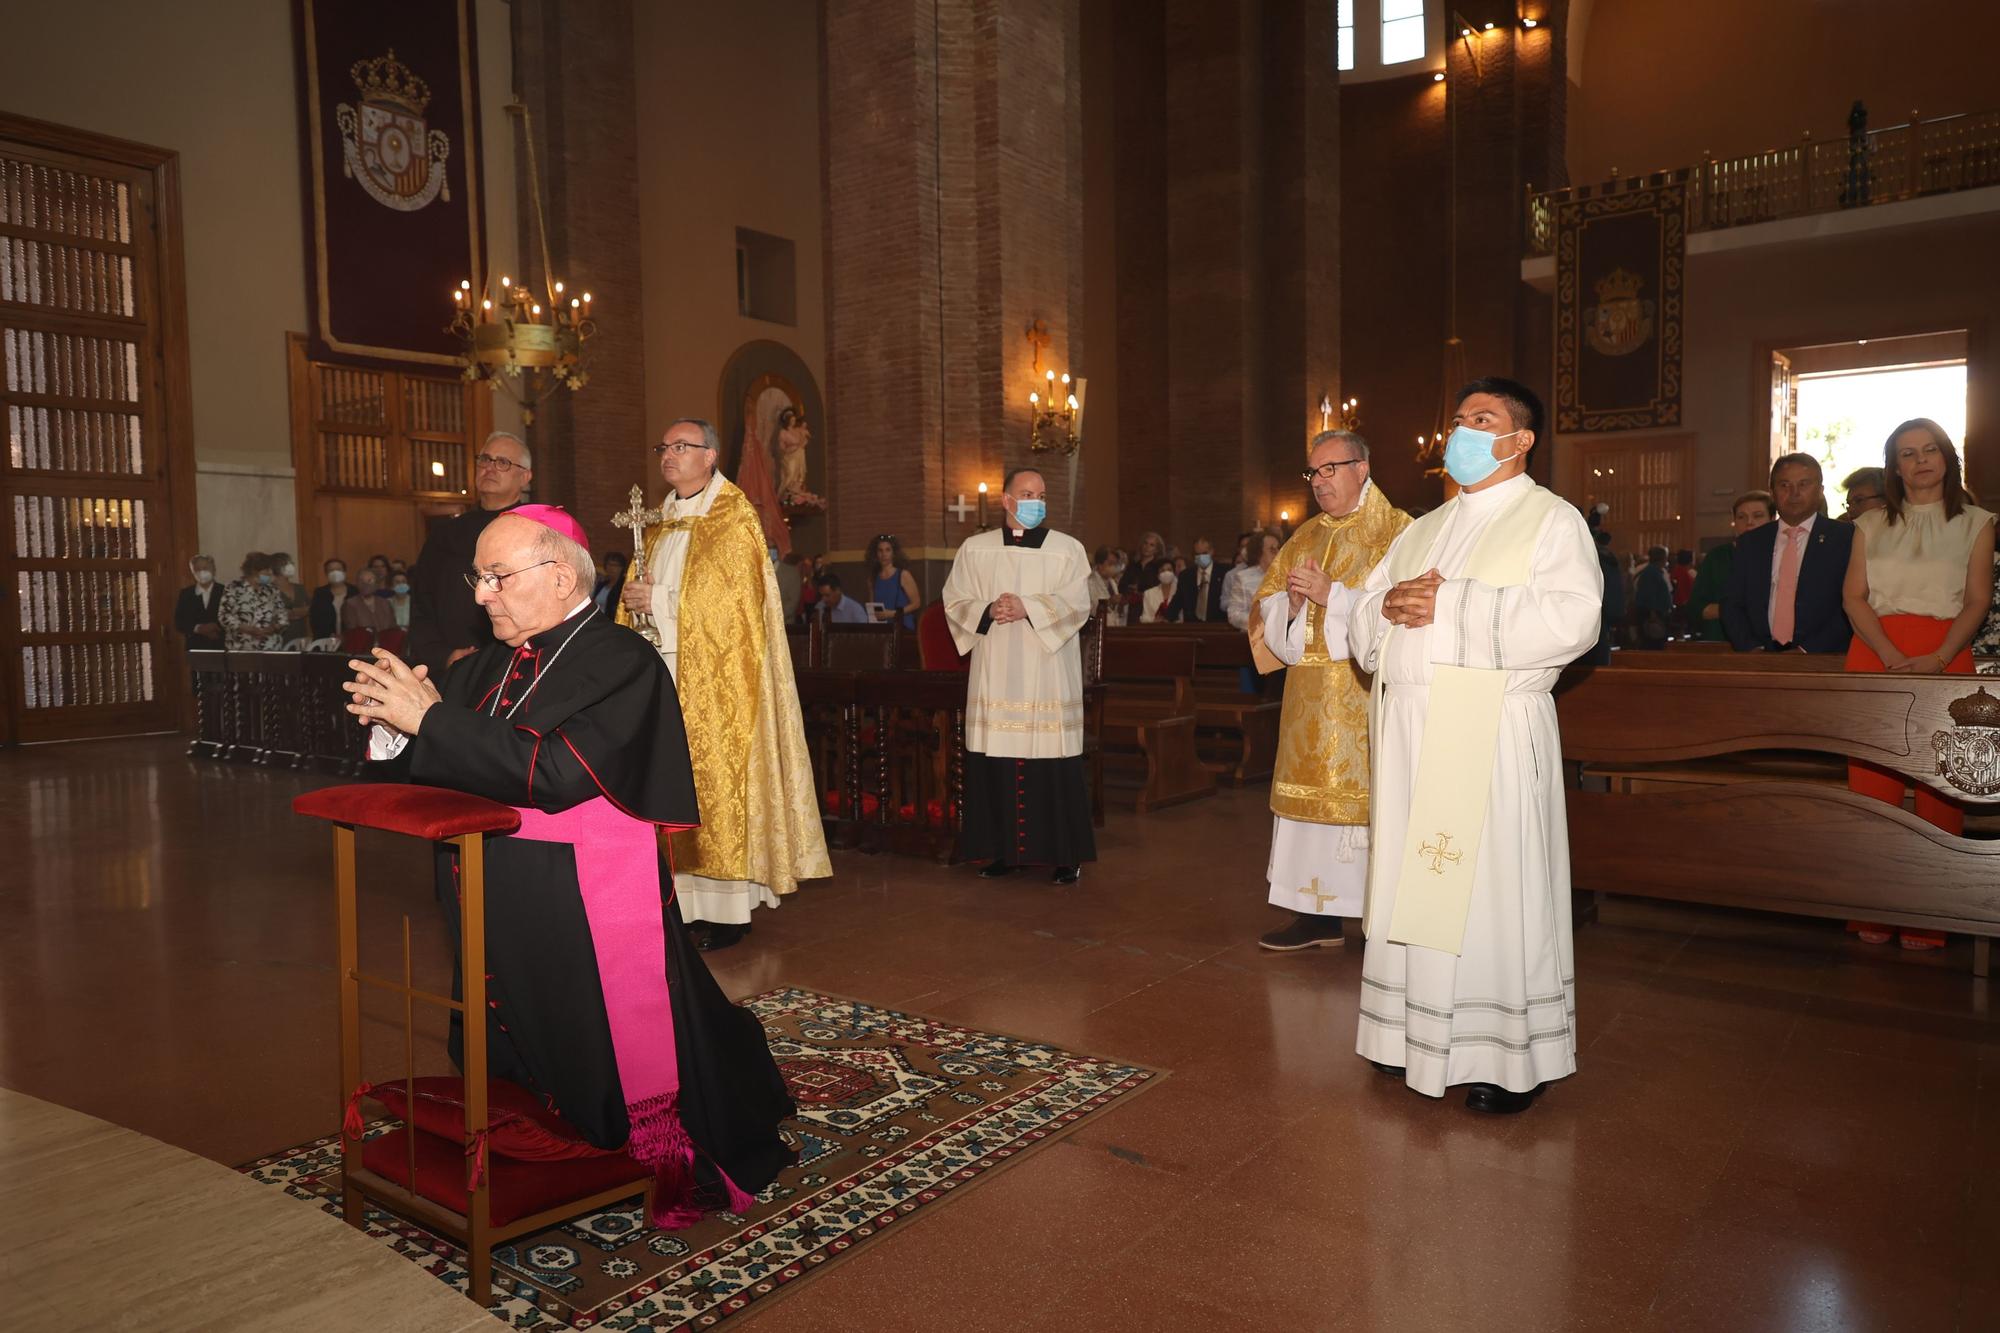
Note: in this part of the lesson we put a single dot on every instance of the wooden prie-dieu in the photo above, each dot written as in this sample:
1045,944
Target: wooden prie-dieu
1715,777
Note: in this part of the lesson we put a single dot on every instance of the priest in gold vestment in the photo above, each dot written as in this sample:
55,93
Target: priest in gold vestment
1319,791
711,600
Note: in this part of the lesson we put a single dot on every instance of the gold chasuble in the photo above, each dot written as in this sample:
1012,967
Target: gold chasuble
1322,770
1433,869
740,705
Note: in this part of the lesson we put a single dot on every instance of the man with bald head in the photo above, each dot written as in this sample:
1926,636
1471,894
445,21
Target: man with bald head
1016,599
597,1001
445,622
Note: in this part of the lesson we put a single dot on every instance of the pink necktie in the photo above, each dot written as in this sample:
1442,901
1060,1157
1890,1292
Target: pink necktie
1788,584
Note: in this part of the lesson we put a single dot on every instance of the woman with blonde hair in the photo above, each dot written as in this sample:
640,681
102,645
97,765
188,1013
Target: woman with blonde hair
1919,584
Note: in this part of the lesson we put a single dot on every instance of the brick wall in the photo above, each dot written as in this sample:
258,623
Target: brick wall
574,71
1227,306
953,220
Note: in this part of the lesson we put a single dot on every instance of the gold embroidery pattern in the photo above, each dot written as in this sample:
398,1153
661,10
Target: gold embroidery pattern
1322,774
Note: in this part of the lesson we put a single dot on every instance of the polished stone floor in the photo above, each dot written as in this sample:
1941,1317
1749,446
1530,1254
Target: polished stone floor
1774,1128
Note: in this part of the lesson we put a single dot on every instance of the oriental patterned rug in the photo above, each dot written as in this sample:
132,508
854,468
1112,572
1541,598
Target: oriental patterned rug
897,1112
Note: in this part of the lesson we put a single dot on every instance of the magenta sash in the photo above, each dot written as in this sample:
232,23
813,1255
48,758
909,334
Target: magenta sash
618,874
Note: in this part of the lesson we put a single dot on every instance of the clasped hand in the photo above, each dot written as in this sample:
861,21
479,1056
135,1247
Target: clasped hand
1007,608
1413,602
1308,583
389,691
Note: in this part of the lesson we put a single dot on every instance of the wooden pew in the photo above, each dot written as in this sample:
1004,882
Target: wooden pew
1237,732
1150,710
1728,786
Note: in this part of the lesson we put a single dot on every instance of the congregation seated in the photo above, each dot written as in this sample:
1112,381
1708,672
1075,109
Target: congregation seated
1157,603
1105,570
1653,599
366,608
254,613
894,590
1751,510
1239,587
1785,580
835,606
1198,593
198,609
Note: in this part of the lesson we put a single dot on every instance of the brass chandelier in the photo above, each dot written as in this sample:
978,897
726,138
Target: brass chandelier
527,339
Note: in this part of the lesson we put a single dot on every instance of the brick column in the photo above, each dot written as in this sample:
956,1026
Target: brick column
574,71
954,219
1228,305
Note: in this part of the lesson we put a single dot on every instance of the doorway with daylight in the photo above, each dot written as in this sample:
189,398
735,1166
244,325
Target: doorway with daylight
1839,401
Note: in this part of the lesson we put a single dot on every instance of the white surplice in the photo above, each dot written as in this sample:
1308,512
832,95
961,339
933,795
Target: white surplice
1024,698
1315,869
1503,1010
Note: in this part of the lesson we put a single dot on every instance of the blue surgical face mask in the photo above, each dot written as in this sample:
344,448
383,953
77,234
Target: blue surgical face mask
1468,454
266,580
402,590
1204,559
1030,513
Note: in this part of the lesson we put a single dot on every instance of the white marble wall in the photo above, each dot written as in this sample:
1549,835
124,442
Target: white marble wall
243,508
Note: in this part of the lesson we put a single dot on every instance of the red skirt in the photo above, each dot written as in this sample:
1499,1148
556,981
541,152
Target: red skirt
1913,636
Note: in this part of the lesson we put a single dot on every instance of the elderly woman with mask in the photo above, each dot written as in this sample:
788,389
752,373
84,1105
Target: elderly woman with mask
368,608
254,613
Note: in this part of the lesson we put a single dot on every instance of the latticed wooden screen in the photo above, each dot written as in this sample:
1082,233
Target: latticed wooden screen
390,432
1649,484
84,480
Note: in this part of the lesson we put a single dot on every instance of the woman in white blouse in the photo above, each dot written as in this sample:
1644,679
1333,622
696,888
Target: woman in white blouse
1918,587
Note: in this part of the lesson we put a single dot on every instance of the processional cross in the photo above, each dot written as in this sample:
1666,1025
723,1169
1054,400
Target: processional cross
638,518
1439,853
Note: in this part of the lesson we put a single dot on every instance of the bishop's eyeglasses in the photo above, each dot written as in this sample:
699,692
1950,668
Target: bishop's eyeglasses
494,582
1327,471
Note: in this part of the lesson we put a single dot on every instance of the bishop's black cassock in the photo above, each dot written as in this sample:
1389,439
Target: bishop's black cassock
583,711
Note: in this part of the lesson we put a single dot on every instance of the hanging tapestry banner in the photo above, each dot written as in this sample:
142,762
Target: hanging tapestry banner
1621,261
391,152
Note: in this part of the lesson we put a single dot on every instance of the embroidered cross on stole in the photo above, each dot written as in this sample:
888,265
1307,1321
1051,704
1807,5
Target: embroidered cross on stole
1434,867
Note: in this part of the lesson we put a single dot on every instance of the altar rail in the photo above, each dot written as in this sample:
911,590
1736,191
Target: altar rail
1726,784
1815,175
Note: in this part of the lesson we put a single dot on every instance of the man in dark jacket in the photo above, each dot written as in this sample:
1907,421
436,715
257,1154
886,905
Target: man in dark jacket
1785,578
198,609
445,622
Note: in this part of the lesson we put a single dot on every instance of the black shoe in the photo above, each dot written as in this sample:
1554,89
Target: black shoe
715,936
1393,1071
1066,875
1306,932
1495,1100
995,869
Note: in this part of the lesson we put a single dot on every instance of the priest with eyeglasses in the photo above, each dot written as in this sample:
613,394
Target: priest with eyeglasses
446,623
709,596
598,1003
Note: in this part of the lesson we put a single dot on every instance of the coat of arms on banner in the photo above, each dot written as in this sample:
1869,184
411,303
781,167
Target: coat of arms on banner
1968,753
389,150
1620,323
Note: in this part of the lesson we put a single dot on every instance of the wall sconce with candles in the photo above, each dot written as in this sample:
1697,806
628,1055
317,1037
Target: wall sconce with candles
1056,408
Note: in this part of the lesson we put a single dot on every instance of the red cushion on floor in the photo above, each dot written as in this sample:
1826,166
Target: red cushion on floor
516,1189
518,1124
422,812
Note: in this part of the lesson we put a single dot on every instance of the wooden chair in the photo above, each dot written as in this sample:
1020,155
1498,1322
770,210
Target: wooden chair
465,822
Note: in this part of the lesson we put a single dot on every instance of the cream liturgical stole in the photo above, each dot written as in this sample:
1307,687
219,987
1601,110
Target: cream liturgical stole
1434,869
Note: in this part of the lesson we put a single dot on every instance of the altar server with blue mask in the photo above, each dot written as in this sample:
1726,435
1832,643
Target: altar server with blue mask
1015,600
1468,976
